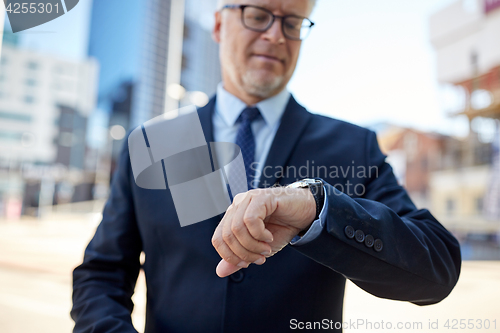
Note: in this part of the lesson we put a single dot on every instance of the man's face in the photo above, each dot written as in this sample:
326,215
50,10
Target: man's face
258,64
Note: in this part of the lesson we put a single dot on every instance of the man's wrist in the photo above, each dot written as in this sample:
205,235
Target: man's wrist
314,197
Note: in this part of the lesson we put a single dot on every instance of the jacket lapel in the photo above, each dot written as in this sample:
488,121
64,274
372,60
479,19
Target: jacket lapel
293,123
205,114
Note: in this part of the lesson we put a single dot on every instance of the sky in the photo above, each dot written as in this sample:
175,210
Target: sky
365,61
371,61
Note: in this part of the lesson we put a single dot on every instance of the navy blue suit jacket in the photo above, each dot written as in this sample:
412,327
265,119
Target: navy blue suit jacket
419,261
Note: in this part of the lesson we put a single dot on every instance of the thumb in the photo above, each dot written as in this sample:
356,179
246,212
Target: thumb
225,269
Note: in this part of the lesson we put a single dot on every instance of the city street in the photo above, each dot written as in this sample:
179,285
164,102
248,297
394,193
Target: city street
37,257
36,262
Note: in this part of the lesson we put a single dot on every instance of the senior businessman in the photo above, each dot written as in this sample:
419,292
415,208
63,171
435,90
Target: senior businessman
279,255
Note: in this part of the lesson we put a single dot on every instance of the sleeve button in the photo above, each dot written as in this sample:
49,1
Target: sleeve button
360,236
369,240
349,232
378,245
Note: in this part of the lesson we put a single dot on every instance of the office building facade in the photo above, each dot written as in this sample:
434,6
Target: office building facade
130,40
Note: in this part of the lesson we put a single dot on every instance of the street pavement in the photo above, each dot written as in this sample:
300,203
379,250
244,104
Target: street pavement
38,256
36,262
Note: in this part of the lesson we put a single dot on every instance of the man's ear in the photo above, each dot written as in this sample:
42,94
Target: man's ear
217,24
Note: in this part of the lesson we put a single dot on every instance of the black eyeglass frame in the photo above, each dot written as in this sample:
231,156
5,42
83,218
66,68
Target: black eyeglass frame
274,17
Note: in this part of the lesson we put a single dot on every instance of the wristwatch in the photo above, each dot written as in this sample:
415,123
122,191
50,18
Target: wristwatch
316,187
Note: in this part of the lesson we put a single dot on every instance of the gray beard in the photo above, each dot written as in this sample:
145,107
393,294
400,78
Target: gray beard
262,90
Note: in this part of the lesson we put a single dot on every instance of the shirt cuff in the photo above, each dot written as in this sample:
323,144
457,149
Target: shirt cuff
315,228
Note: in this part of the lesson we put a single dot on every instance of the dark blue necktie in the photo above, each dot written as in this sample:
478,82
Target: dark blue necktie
246,141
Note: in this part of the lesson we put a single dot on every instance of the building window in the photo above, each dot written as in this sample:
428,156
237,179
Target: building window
10,136
66,120
15,116
424,164
30,82
410,145
32,65
479,204
29,99
450,206
184,62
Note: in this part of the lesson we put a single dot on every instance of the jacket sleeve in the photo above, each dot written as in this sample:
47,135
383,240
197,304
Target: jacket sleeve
414,257
104,283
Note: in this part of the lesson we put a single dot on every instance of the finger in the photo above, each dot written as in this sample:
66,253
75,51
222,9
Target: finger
221,247
239,228
227,254
225,269
220,244
254,217
231,241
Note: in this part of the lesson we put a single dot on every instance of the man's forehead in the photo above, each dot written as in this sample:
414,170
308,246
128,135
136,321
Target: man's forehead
295,7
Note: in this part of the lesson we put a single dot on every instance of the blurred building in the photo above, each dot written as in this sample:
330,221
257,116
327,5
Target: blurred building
466,37
414,155
44,105
36,91
131,41
200,54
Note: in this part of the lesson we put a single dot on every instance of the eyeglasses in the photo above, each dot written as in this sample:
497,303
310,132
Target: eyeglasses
260,19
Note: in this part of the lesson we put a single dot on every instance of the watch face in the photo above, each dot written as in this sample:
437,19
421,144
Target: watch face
299,184
303,183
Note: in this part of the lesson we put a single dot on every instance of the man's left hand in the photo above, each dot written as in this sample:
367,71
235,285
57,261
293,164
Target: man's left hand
259,223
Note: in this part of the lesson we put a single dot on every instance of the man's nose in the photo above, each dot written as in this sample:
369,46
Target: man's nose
275,33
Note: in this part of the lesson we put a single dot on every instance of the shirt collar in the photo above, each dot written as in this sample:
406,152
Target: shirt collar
229,107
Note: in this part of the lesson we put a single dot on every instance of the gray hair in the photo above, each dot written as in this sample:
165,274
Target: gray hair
220,3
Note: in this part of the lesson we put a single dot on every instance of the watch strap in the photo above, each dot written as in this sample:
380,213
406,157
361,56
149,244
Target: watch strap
318,193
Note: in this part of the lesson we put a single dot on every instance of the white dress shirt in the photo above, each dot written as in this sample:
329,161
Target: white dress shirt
227,110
